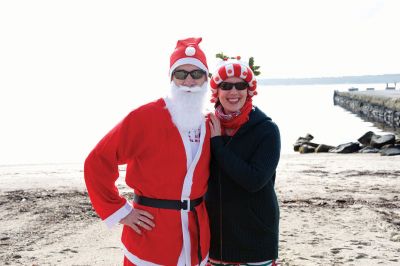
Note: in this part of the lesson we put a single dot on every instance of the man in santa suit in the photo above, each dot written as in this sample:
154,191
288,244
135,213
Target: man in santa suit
166,147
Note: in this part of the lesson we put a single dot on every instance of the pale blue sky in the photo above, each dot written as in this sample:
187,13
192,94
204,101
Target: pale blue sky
69,70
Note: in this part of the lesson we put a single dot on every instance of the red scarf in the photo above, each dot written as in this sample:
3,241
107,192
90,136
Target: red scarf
234,120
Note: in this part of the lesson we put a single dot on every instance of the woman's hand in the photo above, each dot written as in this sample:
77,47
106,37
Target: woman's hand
138,218
215,125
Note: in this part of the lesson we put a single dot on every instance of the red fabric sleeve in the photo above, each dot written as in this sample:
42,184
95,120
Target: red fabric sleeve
101,168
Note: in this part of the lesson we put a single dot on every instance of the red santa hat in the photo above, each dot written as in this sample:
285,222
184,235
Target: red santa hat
187,51
233,68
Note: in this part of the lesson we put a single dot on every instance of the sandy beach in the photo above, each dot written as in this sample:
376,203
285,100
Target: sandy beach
336,209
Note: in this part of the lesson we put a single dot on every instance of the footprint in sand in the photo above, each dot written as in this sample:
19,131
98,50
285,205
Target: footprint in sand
317,256
361,256
335,250
68,250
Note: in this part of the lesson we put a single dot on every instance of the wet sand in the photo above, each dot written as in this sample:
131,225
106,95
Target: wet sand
336,209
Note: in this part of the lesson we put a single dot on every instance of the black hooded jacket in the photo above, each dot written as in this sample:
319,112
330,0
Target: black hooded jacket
241,200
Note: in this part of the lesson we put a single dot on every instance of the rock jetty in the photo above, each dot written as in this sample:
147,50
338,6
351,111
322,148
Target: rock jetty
386,145
376,106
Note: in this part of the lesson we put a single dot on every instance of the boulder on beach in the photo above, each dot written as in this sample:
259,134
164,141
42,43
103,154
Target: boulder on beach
306,149
346,148
369,149
366,138
304,140
387,146
370,142
323,148
297,145
309,137
380,141
395,150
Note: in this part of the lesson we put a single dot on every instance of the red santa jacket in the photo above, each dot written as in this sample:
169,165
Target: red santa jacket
157,167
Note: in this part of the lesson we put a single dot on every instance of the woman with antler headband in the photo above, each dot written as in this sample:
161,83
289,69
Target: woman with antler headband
245,146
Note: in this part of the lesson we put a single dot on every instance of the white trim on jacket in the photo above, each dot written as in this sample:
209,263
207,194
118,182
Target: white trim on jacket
117,216
187,186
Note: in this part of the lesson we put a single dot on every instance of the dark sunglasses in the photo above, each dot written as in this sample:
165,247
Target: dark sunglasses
195,74
226,86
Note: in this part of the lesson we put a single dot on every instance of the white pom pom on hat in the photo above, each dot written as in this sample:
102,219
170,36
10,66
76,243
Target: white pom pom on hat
190,51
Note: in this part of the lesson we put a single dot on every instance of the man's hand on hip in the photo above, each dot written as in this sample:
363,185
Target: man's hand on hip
137,219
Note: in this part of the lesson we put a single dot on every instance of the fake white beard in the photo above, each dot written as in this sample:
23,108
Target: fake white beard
186,105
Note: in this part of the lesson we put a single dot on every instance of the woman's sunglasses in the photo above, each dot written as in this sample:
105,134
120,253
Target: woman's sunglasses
226,86
195,74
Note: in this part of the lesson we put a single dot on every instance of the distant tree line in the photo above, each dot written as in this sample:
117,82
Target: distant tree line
386,78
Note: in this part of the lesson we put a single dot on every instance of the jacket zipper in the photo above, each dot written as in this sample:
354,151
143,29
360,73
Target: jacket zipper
220,207
220,215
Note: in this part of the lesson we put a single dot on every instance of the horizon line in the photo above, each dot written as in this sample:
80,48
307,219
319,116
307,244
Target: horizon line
327,77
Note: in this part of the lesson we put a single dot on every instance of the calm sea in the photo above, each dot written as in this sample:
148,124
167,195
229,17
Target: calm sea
299,110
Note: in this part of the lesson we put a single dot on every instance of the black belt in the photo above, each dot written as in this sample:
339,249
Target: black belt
187,205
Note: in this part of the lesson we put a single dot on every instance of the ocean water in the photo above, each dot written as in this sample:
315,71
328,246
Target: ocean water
299,110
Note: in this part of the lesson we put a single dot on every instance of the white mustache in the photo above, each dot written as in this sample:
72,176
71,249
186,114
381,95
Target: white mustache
191,89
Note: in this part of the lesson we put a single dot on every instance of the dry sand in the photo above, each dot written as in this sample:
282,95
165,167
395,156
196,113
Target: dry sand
339,209
335,210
